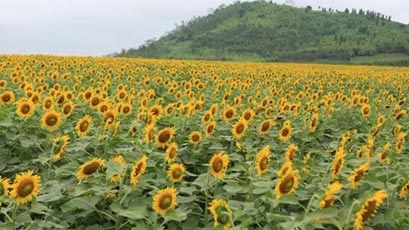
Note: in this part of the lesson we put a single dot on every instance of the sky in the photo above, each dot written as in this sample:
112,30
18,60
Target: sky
100,27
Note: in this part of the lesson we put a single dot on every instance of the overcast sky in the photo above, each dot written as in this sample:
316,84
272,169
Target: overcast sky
98,27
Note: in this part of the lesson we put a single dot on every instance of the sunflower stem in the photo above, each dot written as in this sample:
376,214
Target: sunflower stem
309,205
51,161
350,212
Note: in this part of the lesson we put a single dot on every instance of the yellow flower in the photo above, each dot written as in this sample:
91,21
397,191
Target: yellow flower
210,128
7,98
287,183
330,195
369,208
286,131
265,127
164,137
400,140
195,137
138,169
176,172
60,143
248,115
51,120
26,187
90,167
338,163
221,212
218,165
83,126
171,153
164,200
357,175
116,178
239,129
314,122
289,154
68,109
262,160
404,191
229,113
149,129
4,187
365,110
25,108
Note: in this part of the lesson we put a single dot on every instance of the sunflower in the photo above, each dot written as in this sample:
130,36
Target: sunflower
109,118
94,101
286,131
156,111
48,103
383,157
7,98
60,143
218,165
149,129
229,113
239,129
116,178
25,187
265,127
126,108
288,165
51,120
68,109
248,115
210,128
313,122
400,114
221,212
195,137
213,109
289,154
369,208
171,152
164,200
90,167
400,140
138,169
4,187
365,110
330,195
404,191
164,137
25,108
83,126
262,160
357,175
287,183
338,163
206,117
176,172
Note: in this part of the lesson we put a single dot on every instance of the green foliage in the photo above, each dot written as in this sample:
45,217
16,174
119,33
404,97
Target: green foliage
263,31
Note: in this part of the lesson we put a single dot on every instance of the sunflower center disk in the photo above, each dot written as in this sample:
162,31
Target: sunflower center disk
165,202
25,188
217,165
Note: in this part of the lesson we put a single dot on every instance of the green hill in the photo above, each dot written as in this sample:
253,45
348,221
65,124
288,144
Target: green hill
266,31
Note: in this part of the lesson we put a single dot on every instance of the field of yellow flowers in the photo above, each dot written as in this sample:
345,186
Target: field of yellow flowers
111,143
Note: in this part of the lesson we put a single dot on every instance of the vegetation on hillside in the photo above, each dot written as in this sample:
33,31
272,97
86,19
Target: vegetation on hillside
267,31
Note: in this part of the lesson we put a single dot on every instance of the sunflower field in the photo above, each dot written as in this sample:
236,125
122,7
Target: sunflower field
116,143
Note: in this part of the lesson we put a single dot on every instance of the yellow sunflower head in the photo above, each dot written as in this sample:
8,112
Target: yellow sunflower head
287,183
83,126
176,172
248,115
365,110
218,165
4,186
404,191
68,109
7,98
239,129
229,113
221,212
138,169
210,128
330,195
286,131
25,187
25,108
265,127
164,200
195,137
314,122
116,178
51,120
369,208
171,153
290,153
164,137
90,167
262,160
149,129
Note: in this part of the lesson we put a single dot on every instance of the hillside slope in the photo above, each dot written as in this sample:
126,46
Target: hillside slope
267,31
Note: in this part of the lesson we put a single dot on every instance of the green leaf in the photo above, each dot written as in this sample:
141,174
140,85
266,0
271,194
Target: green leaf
85,203
135,212
113,168
179,214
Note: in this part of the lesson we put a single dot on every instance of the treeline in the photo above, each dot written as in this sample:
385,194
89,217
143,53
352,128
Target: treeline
271,32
